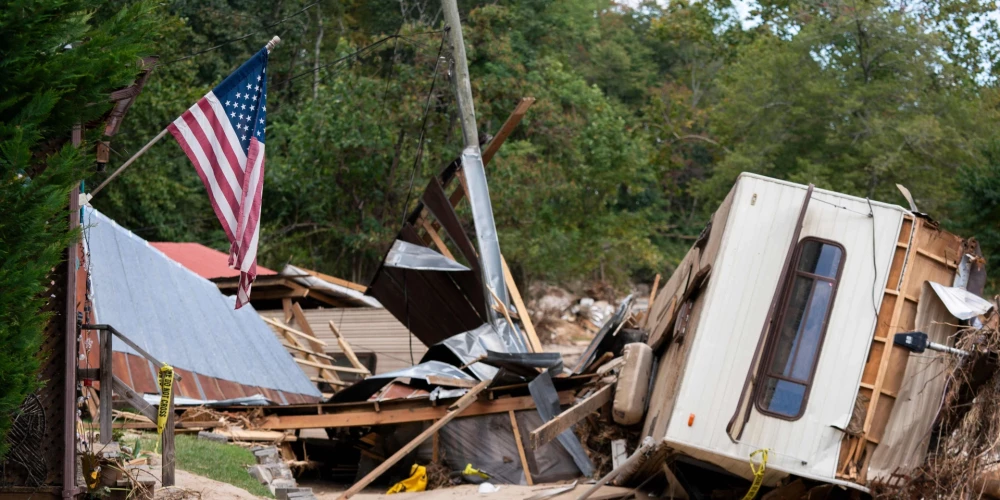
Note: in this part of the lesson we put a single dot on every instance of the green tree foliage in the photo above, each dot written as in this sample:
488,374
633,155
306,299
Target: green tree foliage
60,60
644,117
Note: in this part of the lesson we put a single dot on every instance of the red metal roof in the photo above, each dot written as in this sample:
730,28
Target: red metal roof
205,262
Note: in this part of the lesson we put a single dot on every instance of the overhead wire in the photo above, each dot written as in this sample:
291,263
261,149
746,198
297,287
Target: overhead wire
423,130
244,37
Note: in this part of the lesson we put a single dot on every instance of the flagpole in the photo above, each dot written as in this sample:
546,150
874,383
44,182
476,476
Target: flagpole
89,196
126,164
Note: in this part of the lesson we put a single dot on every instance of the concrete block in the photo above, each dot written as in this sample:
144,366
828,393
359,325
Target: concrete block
280,470
293,493
267,455
282,483
260,473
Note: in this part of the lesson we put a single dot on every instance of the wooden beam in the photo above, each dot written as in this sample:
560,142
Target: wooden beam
306,350
520,448
327,366
549,430
347,349
134,399
534,344
505,130
169,461
337,281
652,298
894,326
275,322
491,149
370,417
453,411
436,238
286,306
327,376
338,382
450,381
106,385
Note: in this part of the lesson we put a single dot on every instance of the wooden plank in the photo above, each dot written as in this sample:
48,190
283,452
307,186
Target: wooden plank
286,305
310,352
520,448
370,417
306,350
327,366
505,130
135,399
652,298
106,374
436,238
340,383
549,430
453,411
337,281
522,311
252,435
893,328
293,331
347,350
450,381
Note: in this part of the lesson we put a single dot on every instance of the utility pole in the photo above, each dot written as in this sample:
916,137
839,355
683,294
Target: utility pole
475,175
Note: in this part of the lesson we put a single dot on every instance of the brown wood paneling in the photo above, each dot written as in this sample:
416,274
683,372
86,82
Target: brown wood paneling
437,202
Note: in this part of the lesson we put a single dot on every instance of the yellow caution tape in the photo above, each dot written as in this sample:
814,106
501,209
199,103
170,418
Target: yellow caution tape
758,473
416,482
166,388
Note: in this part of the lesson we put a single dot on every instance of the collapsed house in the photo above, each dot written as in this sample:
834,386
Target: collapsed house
182,319
778,331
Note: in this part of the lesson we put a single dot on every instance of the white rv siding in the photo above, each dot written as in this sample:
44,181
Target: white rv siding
744,278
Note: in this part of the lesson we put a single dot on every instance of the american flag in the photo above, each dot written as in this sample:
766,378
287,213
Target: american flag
223,136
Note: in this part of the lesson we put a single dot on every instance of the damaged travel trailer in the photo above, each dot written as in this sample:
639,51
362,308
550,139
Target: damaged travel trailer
778,332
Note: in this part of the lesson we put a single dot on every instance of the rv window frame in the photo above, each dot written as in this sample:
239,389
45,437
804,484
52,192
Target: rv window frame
772,335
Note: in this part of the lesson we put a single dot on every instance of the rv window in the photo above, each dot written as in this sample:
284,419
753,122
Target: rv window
795,343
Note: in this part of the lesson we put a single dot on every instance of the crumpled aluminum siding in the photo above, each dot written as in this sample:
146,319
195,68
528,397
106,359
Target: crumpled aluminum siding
341,292
179,317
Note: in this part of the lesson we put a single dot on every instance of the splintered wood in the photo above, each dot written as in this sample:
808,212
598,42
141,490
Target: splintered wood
923,253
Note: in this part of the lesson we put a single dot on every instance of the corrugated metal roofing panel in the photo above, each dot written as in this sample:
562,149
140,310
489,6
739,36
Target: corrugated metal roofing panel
179,316
206,262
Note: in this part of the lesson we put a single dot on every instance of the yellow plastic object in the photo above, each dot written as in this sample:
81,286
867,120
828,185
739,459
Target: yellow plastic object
469,471
166,388
416,482
758,473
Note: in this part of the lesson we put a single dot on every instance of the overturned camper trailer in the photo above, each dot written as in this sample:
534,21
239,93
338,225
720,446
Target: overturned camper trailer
776,332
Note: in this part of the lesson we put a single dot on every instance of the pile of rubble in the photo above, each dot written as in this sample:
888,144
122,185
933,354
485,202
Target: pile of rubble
272,471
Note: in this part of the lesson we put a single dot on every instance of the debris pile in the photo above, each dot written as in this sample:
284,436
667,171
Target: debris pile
965,444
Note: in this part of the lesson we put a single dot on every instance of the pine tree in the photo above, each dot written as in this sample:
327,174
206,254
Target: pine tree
60,60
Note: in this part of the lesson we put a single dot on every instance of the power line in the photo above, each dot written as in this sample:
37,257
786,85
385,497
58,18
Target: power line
423,131
244,37
353,54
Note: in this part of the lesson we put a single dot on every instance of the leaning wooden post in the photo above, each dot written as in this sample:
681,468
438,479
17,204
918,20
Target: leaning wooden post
168,461
106,386
454,410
